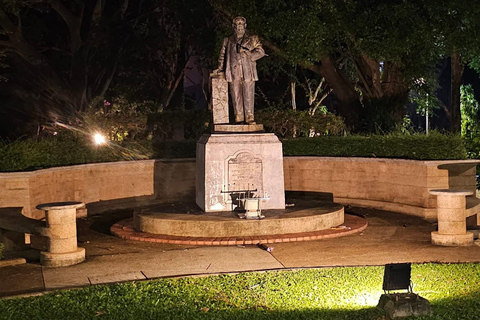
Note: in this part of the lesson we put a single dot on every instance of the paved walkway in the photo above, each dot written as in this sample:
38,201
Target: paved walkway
389,238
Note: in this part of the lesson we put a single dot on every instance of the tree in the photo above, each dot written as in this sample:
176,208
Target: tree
459,27
175,36
65,51
370,52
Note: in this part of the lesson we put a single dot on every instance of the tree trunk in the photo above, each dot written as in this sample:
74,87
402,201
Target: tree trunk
294,98
457,73
349,103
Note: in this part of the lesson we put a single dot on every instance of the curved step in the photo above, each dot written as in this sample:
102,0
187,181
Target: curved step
228,224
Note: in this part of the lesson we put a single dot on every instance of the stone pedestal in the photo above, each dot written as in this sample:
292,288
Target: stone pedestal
229,164
62,247
238,128
219,98
452,221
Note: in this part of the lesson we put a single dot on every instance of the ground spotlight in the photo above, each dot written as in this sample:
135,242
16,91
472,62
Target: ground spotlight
401,304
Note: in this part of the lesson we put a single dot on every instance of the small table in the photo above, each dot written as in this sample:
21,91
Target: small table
452,221
62,234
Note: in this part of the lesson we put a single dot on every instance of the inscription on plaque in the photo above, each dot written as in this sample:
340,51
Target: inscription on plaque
245,172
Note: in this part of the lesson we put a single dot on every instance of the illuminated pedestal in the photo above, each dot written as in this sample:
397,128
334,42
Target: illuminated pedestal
229,165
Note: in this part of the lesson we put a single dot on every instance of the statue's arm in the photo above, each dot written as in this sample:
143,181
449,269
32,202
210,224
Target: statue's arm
257,52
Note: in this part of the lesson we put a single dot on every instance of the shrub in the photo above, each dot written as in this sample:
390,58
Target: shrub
69,149
66,149
117,126
192,124
288,123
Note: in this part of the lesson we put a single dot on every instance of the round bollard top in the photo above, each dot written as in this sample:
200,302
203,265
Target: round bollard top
60,205
451,192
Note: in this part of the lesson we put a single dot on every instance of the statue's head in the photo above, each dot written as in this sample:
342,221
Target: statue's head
239,25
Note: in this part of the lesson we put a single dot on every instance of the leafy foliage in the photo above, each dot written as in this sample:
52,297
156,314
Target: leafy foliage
470,121
69,149
367,50
288,123
328,293
2,246
66,149
178,124
470,116
435,146
174,37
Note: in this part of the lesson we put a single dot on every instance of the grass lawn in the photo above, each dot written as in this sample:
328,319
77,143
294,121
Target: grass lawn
330,293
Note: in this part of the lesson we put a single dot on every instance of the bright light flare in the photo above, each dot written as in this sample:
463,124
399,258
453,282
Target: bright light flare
99,139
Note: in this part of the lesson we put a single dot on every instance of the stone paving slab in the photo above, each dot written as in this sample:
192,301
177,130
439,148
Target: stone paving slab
21,279
389,238
148,265
116,277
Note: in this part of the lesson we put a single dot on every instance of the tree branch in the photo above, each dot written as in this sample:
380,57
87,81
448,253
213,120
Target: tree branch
98,12
7,24
123,9
73,23
8,44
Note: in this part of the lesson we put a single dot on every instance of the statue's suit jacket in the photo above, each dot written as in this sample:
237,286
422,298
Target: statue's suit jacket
240,66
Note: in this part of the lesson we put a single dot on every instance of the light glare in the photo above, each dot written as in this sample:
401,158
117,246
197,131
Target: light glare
99,139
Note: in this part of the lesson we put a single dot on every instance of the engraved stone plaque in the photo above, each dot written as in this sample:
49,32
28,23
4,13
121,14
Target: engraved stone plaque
219,98
245,172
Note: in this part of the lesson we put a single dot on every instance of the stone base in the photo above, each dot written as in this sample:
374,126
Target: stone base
404,305
49,259
452,240
231,167
297,219
238,128
476,233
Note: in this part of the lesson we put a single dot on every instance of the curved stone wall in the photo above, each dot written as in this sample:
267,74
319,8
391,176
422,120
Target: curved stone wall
389,184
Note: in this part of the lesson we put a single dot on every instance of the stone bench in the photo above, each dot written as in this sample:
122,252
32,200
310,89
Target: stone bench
60,230
452,218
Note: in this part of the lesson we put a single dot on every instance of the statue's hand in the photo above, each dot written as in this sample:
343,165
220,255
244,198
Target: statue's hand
218,71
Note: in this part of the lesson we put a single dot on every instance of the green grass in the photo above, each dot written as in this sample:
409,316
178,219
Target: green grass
330,293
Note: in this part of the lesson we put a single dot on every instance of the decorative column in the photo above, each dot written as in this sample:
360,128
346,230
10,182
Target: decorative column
62,234
452,221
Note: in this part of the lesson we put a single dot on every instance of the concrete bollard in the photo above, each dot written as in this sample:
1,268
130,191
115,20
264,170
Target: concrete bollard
61,232
452,220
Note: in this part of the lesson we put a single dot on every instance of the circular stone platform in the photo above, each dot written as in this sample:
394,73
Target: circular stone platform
311,220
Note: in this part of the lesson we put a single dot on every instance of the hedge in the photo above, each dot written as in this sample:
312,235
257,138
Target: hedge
33,154
435,146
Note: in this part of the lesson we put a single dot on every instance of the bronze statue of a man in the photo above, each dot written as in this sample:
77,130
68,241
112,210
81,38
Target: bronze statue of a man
238,58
